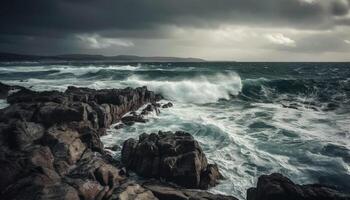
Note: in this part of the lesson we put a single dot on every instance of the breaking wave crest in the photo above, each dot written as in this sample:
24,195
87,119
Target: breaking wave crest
202,89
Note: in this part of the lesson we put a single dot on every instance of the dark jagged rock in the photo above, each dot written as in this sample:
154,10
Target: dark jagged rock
277,187
175,157
119,126
154,107
167,105
130,120
133,117
5,90
50,145
114,148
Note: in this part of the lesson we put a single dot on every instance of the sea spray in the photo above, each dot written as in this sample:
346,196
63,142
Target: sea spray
201,89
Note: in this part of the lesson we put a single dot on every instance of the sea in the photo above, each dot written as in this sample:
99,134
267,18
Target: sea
250,118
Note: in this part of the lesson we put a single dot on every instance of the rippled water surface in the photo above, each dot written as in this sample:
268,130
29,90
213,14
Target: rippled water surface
250,118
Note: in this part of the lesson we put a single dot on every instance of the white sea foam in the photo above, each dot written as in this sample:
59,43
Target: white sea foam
3,103
76,70
202,89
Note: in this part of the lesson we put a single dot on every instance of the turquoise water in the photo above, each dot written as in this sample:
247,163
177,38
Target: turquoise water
250,118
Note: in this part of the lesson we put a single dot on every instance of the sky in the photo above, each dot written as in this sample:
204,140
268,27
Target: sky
237,30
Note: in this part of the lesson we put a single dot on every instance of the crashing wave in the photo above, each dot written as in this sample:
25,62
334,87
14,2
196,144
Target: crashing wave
202,89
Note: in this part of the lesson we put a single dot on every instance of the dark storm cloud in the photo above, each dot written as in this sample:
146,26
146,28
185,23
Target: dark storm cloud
55,17
340,7
52,25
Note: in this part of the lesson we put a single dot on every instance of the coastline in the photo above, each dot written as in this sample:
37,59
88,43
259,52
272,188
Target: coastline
51,148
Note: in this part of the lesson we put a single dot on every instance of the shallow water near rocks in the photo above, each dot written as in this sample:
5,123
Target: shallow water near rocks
250,118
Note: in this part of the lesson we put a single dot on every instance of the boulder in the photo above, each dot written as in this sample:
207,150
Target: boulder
131,119
119,126
167,105
151,108
277,187
174,157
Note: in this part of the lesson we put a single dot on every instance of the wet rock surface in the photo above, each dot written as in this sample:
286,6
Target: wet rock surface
175,157
277,187
50,145
167,105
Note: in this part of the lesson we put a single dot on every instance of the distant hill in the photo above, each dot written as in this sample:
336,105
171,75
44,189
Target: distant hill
87,57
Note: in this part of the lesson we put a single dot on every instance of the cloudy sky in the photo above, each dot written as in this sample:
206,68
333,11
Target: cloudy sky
242,30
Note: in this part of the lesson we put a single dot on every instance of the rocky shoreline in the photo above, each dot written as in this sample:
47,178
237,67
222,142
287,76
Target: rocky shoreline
50,148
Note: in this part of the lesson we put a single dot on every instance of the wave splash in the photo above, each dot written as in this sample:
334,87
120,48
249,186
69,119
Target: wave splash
199,90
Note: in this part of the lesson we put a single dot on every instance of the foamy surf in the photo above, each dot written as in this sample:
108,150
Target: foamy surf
250,120
202,89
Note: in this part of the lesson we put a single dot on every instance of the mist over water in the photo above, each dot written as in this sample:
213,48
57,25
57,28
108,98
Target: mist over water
250,118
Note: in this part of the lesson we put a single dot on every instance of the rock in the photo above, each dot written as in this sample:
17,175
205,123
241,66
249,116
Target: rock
175,157
5,90
22,134
114,148
65,144
29,96
150,108
33,191
41,156
22,112
292,106
61,191
277,187
130,120
128,151
53,113
89,189
165,191
134,192
132,98
167,105
210,176
331,106
50,145
119,126
94,167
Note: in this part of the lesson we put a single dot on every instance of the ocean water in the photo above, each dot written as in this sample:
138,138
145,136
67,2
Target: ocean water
250,118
